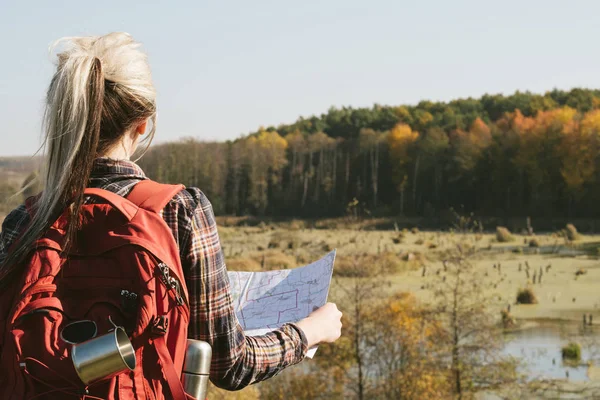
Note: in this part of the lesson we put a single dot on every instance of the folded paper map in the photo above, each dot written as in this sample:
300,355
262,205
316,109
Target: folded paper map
264,301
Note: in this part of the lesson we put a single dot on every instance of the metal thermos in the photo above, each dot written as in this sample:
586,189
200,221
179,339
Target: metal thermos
196,368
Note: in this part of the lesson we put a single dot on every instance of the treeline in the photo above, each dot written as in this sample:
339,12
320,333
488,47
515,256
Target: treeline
520,155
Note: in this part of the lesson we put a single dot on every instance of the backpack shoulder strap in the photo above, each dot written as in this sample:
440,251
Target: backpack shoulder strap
124,206
153,196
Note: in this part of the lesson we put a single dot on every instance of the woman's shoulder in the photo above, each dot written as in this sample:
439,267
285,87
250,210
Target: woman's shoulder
192,199
187,213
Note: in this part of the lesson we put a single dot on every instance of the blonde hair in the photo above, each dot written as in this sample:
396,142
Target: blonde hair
101,89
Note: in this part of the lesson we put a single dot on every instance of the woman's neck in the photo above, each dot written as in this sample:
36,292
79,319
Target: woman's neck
118,153
122,150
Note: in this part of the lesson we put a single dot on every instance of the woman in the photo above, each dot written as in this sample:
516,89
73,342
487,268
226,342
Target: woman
99,104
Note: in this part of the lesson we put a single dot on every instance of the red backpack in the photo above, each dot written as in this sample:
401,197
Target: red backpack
124,271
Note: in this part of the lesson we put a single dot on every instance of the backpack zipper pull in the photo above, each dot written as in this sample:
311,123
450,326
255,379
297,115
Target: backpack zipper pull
174,283
171,283
164,272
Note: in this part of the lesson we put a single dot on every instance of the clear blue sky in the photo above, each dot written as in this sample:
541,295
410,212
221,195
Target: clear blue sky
224,68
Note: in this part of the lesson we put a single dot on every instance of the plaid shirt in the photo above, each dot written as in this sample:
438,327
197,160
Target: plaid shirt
238,360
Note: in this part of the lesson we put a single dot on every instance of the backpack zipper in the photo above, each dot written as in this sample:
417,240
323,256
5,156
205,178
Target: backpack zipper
171,283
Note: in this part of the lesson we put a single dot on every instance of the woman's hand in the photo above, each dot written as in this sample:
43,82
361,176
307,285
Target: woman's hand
324,325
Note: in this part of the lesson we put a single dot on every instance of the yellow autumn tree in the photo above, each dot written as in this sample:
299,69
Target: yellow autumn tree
590,124
399,140
266,158
405,343
545,142
272,148
389,347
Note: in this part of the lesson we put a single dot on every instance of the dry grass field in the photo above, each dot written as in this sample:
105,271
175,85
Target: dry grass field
569,279
570,270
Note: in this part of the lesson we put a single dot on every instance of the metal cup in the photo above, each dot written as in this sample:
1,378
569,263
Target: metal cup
196,368
103,357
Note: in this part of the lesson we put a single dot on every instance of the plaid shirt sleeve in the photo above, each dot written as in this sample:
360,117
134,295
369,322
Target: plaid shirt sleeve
12,226
238,360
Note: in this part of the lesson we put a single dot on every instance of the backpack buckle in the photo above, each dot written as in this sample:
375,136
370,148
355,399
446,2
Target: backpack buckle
160,325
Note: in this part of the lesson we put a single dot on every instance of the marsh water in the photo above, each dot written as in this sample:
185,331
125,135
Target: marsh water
539,347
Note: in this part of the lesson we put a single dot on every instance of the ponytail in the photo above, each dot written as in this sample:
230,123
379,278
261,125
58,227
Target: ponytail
81,165
72,122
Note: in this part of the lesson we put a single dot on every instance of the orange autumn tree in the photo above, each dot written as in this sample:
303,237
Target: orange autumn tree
578,150
480,133
468,146
527,148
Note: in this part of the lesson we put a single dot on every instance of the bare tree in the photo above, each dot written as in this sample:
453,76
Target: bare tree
370,142
465,311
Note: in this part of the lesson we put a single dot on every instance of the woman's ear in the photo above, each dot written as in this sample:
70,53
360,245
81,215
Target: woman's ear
141,128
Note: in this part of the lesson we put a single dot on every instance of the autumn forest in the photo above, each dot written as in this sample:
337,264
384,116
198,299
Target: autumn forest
519,155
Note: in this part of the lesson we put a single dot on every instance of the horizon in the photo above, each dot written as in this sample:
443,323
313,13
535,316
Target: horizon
222,71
